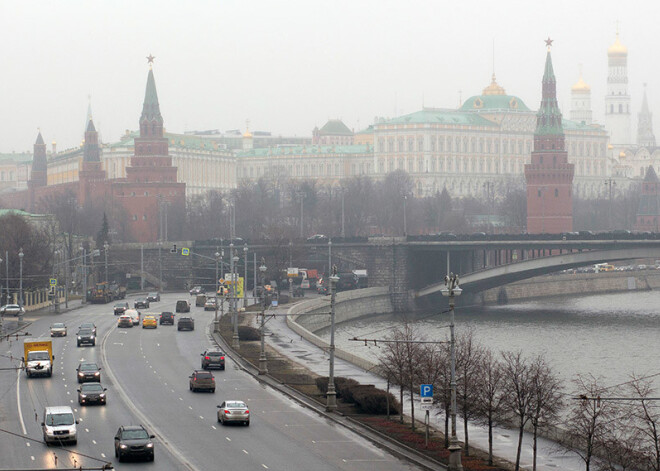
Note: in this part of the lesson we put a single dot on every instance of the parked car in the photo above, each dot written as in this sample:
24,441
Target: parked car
141,303
196,290
213,359
12,310
185,323
121,308
150,321
125,321
153,297
86,337
211,304
58,330
202,380
182,305
134,441
166,318
233,411
88,371
91,393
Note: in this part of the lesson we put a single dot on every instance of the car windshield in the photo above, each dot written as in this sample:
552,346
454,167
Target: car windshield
134,434
88,367
91,387
236,405
149,318
215,354
57,326
60,419
153,294
204,375
87,325
38,356
167,314
85,332
120,305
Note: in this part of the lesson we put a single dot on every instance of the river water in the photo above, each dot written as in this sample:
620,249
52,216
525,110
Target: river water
608,336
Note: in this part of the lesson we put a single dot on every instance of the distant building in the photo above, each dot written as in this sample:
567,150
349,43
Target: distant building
334,132
617,99
648,212
581,102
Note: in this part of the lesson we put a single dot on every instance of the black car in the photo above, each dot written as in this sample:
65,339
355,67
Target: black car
134,441
141,303
213,359
91,393
88,325
166,318
182,305
153,297
86,337
121,308
185,323
89,372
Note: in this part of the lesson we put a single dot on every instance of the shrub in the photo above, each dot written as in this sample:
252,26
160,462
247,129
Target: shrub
343,387
374,401
322,384
248,333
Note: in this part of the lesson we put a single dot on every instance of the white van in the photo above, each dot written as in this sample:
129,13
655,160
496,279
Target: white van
59,425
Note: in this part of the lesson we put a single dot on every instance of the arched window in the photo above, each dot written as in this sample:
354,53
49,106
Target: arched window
556,192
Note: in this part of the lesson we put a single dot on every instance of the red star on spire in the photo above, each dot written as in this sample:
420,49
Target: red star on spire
150,59
548,42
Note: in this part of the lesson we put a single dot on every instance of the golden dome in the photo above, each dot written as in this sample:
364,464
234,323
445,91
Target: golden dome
617,49
610,146
247,134
622,154
581,86
493,88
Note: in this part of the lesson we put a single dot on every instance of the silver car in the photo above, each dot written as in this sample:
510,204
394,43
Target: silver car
233,411
58,330
12,310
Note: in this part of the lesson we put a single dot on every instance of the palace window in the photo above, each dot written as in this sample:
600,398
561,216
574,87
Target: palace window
420,144
556,192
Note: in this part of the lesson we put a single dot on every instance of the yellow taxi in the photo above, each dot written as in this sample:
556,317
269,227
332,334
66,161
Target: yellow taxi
149,320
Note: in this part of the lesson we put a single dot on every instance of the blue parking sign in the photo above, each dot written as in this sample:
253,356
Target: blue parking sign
426,390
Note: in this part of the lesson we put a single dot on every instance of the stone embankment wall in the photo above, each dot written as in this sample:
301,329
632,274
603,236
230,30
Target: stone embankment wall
307,317
567,284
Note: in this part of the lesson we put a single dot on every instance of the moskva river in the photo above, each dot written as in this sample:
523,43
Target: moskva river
608,336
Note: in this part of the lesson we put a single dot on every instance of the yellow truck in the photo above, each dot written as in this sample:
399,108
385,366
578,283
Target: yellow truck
38,359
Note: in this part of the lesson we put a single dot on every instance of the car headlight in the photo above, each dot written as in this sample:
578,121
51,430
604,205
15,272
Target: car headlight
79,337
102,395
123,446
83,395
97,373
81,374
150,445
92,337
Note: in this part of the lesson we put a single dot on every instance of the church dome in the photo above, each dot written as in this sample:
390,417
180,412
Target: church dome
247,134
581,86
617,49
494,88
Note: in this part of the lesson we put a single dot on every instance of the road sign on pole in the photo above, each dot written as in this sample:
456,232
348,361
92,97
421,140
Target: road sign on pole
424,406
53,281
426,390
185,251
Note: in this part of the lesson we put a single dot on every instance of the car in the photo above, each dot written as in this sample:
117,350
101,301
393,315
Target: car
166,318
233,411
89,372
121,308
86,337
202,380
141,303
58,330
200,300
213,359
91,393
298,292
196,290
317,238
149,320
125,321
59,425
185,323
134,441
182,305
153,297
135,316
12,310
211,304
88,325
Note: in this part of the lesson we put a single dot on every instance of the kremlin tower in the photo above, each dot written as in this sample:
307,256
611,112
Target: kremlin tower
549,176
581,102
617,100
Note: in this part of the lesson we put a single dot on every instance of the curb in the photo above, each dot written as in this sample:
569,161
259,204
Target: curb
397,449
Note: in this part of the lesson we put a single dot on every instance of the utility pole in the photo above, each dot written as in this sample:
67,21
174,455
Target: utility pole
610,183
331,404
288,277
263,361
343,231
84,274
141,267
245,280
405,226
301,196
105,251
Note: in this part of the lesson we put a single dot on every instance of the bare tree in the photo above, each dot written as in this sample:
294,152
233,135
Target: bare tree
468,360
589,420
489,394
647,422
546,401
393,365
518,392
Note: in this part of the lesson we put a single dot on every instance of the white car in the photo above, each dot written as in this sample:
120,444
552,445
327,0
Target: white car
12,309
135,315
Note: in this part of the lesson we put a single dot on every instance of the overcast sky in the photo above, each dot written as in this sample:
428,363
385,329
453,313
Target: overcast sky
288,66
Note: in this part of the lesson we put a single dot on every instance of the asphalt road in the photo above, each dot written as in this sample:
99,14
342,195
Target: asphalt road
146,372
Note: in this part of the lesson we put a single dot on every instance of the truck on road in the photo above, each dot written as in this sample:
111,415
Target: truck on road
106,292
38,359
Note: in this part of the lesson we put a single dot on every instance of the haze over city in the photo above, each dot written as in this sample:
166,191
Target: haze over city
289,66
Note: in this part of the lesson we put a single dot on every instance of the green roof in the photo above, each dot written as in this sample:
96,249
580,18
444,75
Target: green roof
441,116
494,103
335,127
580,126
297,150
17,212
16,156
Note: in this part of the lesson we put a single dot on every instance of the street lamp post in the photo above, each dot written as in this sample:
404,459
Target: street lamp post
7,273
452,289
331,404
288,274
20,289
217,280
54,288
405,225
84,275
343,231
611,185
301,195
329,255
263,361
105,251
232,300
245,279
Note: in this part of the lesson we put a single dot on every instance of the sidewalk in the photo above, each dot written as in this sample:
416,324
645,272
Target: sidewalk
505,442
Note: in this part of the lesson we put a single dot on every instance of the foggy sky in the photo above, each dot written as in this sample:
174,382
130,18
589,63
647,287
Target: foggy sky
288,66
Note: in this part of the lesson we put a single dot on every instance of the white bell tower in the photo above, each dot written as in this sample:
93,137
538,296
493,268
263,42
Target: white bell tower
617,100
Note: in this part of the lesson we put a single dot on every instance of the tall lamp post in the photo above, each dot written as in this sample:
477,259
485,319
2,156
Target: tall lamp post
331,405
405,225
1,303
20,289
289,279
217,280
54,288
245,252
452,289
84,275
105,251
233,301
263,361
611,185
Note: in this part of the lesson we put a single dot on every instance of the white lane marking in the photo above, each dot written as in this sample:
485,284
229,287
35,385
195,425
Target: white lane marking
71,401
27,443
228,439
32,458
348,460
87,430
190,407
172,390
18,400
118,343
201,417
180,399
266,467
94,442
68,392
103,455
245,451
213,427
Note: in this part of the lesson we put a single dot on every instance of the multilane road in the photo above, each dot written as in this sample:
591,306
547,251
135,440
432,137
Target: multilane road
146,372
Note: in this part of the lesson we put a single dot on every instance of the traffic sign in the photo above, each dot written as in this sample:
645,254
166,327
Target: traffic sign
185,251
427,400
53,281
426,406
426,390
221,281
